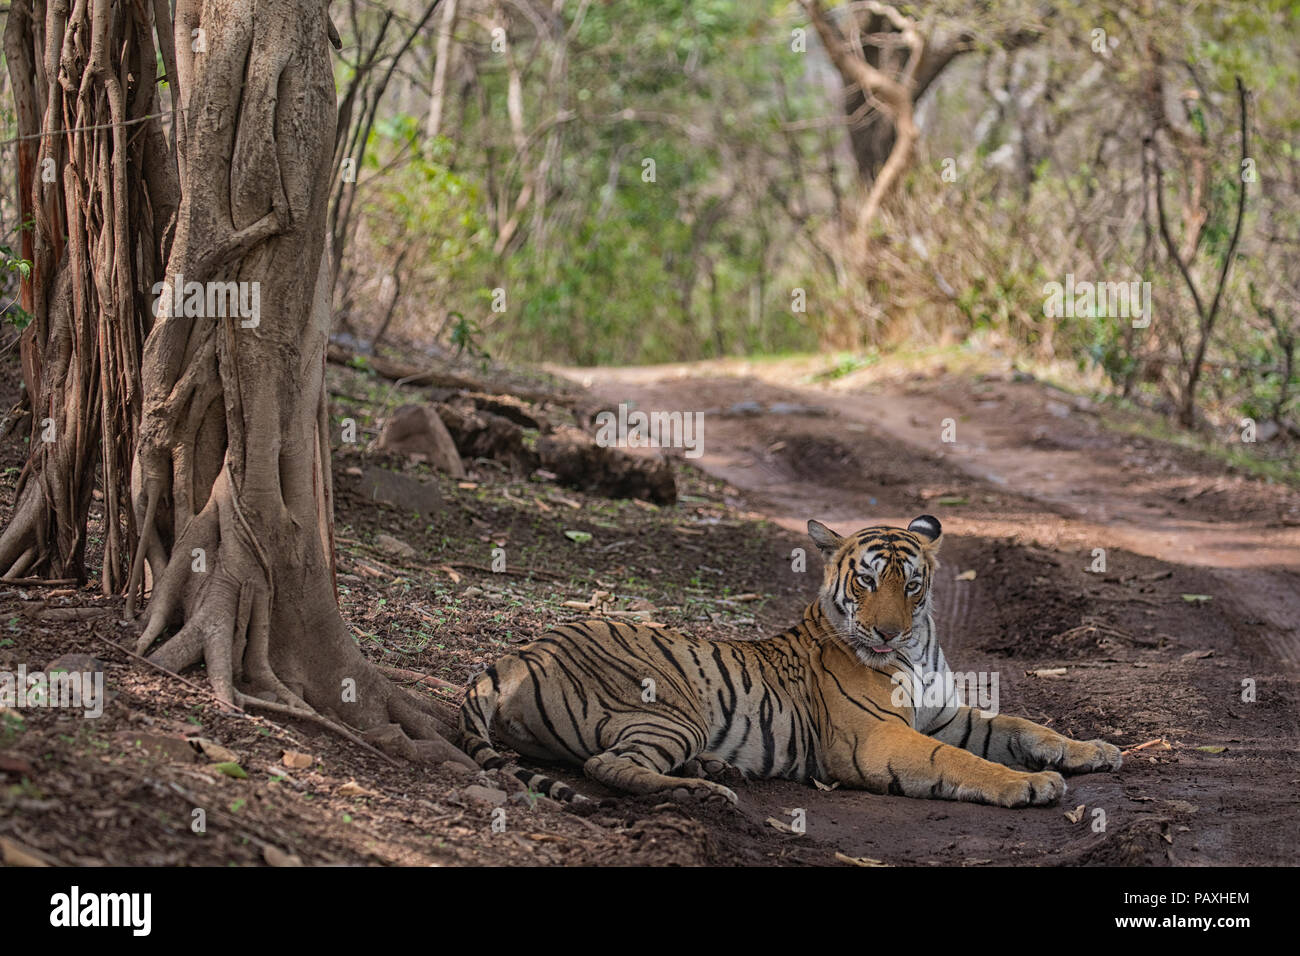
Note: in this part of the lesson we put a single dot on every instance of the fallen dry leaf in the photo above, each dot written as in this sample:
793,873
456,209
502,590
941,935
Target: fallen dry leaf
12,763
16,854
781,825
354,789
1047,672
213,750
1075,815
296,761
859,860
274,856
966,575
1159,742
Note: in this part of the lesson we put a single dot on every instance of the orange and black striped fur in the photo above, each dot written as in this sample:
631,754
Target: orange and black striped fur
630,704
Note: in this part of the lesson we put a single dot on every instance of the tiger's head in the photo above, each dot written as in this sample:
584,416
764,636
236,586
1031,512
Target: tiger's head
876,588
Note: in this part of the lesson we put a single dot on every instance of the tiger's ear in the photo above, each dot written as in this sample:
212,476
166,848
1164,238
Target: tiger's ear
827,541
927,527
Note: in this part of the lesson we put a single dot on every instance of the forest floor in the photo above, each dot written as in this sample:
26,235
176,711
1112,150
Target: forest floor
1200,593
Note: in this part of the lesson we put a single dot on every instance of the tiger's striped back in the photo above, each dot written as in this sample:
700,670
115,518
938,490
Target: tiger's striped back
584,688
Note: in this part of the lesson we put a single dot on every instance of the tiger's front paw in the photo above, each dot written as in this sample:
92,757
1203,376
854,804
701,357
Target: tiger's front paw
709,768
704,791
1108,754
1033,790
1091,756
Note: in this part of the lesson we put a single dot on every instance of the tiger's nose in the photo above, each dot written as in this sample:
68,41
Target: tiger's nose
887,634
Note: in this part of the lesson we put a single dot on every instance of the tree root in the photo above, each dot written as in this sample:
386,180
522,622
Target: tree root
245,702
220,581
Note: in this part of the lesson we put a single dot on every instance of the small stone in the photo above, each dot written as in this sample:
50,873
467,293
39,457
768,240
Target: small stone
75,664
418,430
274,856
405,493
511,784
485,795
794,408
390,545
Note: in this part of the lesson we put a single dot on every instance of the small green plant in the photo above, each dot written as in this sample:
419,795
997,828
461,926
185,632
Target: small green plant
13,264
11,725
465,334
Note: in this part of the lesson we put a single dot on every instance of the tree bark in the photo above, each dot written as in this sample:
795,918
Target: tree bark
232,482
895,94
95,180
441,68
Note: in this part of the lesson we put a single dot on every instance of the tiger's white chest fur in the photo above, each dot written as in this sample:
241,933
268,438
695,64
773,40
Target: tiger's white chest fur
921,677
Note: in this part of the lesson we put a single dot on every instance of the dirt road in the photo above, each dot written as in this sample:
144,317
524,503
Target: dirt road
1187,637
1196,612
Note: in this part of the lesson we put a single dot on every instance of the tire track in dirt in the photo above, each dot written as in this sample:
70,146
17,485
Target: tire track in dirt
1067,470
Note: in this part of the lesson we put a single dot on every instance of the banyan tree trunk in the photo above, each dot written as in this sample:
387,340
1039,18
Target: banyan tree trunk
95,182
232,479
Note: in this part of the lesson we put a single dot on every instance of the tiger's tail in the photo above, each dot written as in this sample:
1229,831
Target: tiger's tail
475,720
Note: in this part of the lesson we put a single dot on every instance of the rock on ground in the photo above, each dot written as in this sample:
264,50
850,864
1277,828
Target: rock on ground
418,430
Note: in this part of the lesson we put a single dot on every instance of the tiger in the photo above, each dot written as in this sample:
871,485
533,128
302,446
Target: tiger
830,699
